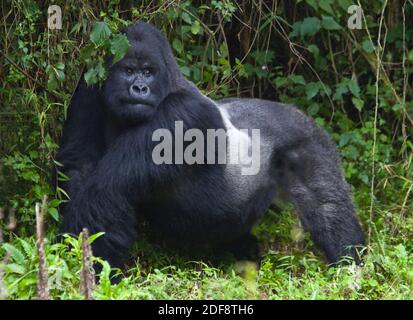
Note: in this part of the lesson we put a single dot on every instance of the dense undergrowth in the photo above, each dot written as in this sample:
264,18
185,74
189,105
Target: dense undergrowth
355,83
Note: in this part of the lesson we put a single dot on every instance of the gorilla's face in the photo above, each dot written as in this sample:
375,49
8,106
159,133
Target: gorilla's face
138,83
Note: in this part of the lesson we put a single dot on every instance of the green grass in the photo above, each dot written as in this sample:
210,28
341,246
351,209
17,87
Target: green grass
292,268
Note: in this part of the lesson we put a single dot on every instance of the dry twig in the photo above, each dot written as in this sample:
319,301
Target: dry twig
88,276
3,292
42,281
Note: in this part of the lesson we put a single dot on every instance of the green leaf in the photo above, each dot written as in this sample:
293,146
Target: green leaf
119,46
367,46
312,3
354,88
186,17
312,89
296,29
297,79
91,76
341,89
14,268
365,178
280,81
55,74
60,75
249,69
313,109
15,253
93,237
310,26
344,139
263,57
326,6
104,278
60,66
29,250
358,103
101,71
397,107
223,49
345,4
52,82
314,49
410,56
100,33
177,45
54,203
329,23
87,52
185,71
196,27
54,213
351,152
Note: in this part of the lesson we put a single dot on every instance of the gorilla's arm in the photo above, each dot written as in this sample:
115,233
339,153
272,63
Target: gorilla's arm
126,174
82,142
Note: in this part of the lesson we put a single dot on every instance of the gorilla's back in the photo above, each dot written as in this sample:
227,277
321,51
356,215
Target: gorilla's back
273,119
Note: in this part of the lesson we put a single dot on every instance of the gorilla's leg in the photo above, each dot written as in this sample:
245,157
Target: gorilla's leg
312,177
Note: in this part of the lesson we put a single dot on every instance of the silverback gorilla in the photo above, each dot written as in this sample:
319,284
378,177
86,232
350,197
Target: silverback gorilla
107,147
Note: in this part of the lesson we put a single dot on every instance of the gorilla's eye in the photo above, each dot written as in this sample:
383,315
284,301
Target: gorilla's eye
129,71
146,72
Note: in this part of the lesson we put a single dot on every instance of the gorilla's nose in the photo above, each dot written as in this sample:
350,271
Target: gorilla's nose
140,90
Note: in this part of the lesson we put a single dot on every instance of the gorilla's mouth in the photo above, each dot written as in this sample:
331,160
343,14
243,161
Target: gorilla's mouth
136,103
140,105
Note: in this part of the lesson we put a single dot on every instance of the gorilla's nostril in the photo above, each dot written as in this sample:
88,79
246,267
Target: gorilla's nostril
139,90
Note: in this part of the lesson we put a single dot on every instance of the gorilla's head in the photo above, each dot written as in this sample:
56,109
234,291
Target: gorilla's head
147,74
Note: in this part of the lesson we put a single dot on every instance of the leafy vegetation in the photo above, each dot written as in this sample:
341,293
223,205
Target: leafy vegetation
355,83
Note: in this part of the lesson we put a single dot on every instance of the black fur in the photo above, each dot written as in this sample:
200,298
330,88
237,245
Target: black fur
106,151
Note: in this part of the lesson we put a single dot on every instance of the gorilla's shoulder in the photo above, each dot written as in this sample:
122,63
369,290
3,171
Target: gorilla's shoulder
269,116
